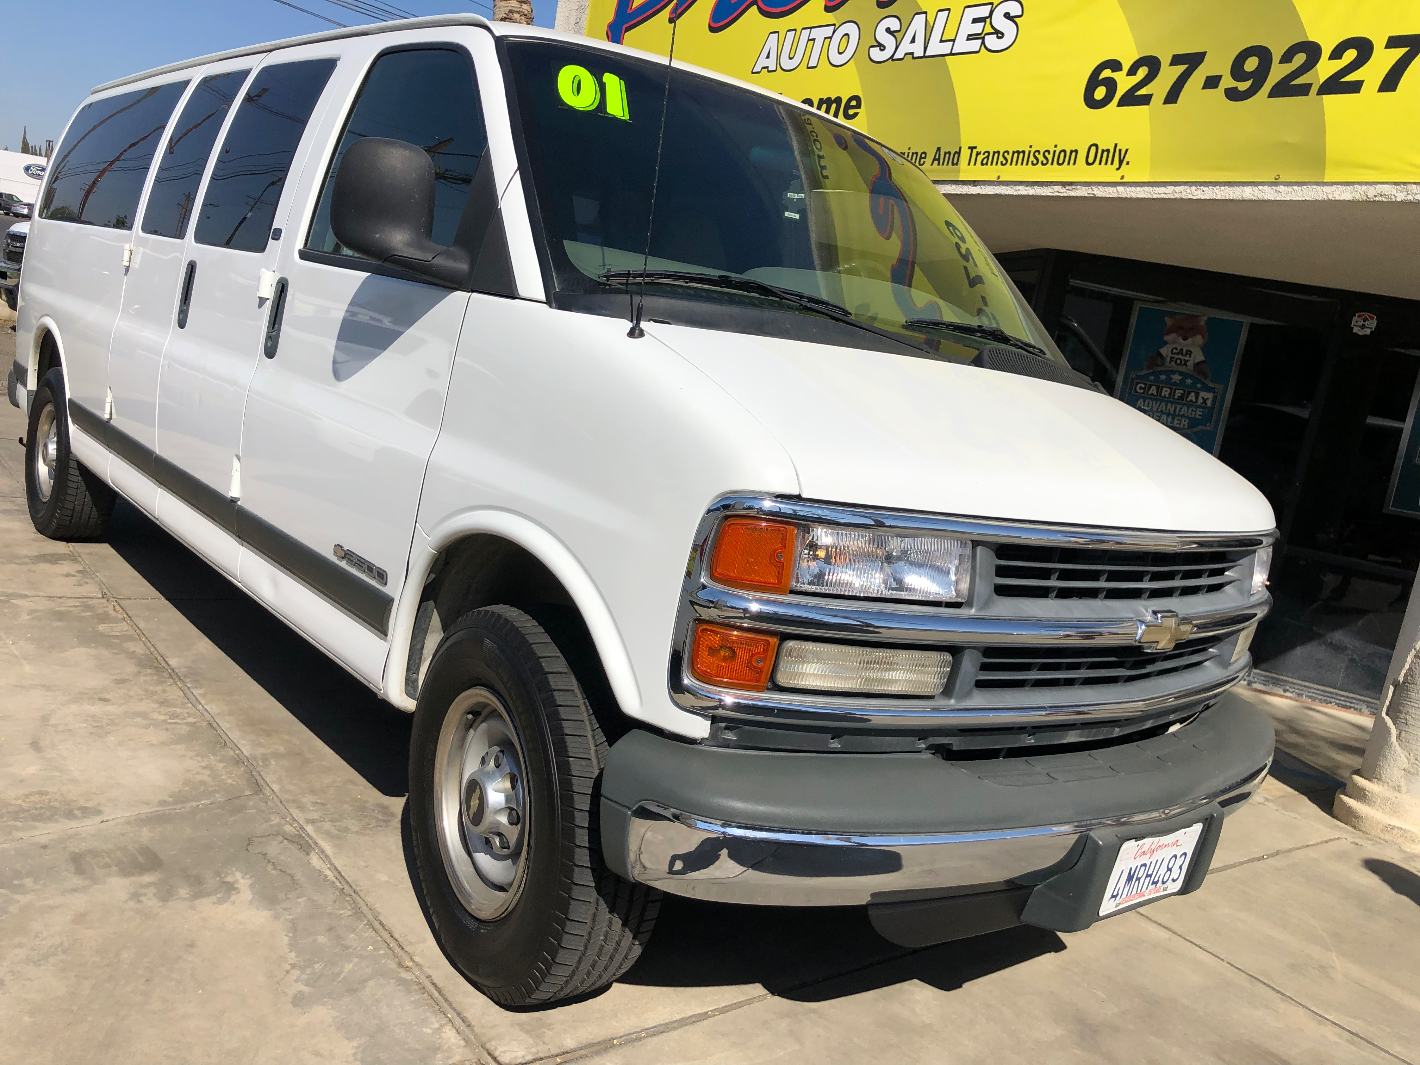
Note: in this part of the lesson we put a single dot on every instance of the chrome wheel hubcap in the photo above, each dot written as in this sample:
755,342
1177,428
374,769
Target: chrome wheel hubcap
482,807
46,453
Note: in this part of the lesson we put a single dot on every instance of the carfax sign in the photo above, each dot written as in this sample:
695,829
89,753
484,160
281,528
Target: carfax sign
1179,369
1078,90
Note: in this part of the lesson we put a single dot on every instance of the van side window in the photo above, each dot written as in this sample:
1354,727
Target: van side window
101,163
239,205
184,158
426,97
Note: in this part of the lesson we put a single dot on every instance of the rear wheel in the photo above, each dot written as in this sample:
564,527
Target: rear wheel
67,501
504,760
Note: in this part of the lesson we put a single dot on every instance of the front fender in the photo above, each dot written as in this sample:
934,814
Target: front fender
547,549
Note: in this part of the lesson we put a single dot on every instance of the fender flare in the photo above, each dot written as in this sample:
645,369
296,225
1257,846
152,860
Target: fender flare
45,326
547,549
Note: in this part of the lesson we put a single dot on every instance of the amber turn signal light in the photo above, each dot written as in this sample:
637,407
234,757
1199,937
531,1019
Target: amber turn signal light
754,554
732,658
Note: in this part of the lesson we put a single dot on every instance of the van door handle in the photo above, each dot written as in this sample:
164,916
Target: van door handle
188,277
273,319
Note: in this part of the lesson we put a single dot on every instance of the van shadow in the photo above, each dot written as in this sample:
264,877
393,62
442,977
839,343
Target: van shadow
802,954
814,954
371,736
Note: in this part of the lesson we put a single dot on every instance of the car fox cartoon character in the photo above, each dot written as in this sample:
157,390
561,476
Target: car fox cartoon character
1184,337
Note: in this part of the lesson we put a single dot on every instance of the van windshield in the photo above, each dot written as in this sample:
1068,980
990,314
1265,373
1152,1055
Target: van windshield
751,189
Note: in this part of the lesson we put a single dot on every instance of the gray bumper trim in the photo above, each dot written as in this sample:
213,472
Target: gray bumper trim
898,832
776,868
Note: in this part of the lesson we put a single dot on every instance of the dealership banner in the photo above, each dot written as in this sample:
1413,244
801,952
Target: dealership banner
1179,368
1078,90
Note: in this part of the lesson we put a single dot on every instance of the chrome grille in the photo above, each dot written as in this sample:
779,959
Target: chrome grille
1070,667
1038,571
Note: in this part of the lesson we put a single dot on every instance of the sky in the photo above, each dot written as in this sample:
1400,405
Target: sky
53,52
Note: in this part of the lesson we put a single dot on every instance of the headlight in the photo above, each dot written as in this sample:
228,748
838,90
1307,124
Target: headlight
874,565
1261,566
758,554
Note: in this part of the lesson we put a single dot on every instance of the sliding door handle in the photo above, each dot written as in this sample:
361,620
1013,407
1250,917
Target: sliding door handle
273,319
185,301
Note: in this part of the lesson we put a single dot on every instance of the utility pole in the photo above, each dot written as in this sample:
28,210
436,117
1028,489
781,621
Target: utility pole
1383,798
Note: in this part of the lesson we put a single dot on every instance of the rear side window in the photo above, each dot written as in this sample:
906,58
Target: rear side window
174,194
426,97
239,205
101,163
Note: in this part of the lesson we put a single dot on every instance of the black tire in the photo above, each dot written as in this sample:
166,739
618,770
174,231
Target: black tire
78,503
11,300
574,926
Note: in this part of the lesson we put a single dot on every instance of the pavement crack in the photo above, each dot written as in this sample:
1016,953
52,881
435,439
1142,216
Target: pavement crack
1275,854
154,812
695,1018
1277,990
647,1033
425,981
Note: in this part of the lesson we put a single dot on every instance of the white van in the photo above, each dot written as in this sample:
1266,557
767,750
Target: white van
777,557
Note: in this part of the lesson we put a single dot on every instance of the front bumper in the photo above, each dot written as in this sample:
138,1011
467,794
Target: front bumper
797,829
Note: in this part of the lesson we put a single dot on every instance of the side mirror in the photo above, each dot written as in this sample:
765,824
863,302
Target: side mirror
382,207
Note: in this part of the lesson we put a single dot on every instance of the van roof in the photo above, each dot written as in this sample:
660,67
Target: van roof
293,42
502,29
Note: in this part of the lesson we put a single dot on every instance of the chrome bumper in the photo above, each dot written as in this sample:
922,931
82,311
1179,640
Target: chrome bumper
816,829
721,862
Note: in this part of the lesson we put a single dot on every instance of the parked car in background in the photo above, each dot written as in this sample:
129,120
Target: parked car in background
12,251
14,206
772,554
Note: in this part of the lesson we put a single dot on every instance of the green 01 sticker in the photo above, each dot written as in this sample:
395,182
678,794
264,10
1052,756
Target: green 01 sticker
579,89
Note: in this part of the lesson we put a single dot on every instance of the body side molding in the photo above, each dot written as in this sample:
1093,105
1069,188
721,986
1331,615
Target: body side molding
341,585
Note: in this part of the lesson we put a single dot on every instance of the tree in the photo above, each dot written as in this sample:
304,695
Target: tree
26,148
519,11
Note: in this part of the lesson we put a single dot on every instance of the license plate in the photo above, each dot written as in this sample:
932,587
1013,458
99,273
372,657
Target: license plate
1149,869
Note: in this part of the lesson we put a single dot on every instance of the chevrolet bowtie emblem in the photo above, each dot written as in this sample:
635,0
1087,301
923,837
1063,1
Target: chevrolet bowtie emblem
1163,629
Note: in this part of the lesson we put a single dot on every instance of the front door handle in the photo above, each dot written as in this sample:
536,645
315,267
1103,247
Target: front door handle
273,319
185,302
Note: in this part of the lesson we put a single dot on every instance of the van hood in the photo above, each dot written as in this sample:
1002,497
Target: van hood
908,433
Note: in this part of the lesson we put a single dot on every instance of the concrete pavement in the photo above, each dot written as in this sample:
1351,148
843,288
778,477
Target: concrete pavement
204,855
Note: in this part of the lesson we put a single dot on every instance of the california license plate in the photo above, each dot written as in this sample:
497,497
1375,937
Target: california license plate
1149,869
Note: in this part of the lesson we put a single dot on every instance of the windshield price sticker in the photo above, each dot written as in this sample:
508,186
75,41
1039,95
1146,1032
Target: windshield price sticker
1249,71
1149,869
580,90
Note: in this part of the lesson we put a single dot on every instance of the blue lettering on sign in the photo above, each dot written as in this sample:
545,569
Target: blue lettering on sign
34,170
724,13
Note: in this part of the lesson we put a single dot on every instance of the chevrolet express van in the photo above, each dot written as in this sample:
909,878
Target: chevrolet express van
683,462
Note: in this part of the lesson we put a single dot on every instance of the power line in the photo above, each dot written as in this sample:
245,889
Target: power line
303,11
383,12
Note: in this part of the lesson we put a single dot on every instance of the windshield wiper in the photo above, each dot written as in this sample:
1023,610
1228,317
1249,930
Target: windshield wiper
980,332
740,283
734,282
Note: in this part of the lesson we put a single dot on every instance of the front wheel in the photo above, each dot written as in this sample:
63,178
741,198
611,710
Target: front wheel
503,762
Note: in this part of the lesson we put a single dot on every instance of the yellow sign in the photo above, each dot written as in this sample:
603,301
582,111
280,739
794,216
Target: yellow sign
1078,90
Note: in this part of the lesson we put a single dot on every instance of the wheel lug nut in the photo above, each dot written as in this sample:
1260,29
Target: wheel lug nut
514,817
498,760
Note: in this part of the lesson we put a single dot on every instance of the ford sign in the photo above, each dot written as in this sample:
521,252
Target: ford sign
35,170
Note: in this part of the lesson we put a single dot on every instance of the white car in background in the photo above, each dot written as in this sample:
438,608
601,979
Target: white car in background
761,549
